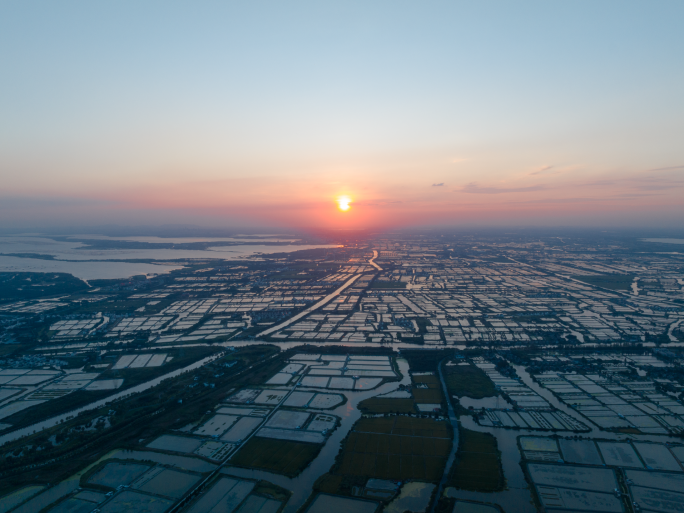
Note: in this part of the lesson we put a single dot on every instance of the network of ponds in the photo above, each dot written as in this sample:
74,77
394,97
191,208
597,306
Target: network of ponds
516,497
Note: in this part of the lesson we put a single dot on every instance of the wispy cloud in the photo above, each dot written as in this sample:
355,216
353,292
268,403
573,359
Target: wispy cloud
612,199
629,195
473,188
671,168
597,183
555,201
438,184
639,183
541,170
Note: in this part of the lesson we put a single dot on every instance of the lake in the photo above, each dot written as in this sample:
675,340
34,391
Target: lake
75,258
664,241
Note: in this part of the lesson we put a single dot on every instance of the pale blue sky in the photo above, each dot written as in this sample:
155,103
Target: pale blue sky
379,94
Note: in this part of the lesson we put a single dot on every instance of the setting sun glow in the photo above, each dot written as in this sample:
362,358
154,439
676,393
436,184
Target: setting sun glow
343,203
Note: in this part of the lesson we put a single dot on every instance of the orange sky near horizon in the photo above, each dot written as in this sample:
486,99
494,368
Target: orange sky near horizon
563,198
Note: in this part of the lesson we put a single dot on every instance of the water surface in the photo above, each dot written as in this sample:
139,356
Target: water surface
75,251
82,270
89,264
664,241
302,484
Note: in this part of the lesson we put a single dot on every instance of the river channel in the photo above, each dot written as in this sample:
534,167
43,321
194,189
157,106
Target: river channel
517,498
302,484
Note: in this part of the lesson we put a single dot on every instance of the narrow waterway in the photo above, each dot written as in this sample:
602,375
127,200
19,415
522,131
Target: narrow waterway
302,484
455,439
517,498
497,403
595,432
398,346
670,331
546,394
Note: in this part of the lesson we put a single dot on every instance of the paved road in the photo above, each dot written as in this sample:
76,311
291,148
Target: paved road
180,505
321,303
372,262
63,417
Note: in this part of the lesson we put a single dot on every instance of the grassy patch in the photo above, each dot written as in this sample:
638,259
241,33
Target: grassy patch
329,483
478,463
116,305
469,381
281,456
272,491
609,281
137,420
15,286
397,448
405,426
430,395
131,377
387,405
629,431
425,361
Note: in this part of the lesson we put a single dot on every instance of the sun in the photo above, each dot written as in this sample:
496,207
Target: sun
343,203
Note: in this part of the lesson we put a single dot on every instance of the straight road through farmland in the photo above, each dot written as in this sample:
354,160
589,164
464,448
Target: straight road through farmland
234,451
321,303
372,261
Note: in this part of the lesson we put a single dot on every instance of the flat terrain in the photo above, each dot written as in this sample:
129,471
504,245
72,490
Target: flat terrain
387,405
490,310
388,285
397,448
467,380
609,281
432,394
478,463
281,456
15,286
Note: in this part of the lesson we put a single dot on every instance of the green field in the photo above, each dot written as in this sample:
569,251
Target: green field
478,463
609,281
15,286
397,448
131,377
468,381
425,361
134,421
272,491
281,456
405,426
430,395
389,405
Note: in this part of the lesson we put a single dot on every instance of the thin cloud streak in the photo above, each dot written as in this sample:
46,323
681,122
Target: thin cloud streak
473,188
671,168
542,170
